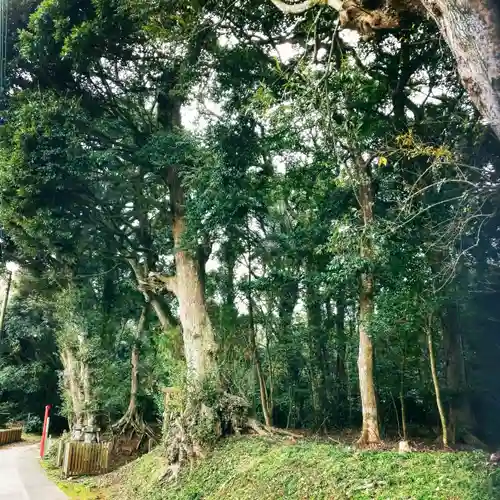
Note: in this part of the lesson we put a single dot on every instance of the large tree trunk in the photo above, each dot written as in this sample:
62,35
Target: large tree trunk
471,29
73,389
183,440
197,332
134,361
90,430
134,379
370,431
78,384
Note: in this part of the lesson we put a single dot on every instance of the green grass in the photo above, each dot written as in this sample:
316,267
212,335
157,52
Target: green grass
76,489
255,468
31,438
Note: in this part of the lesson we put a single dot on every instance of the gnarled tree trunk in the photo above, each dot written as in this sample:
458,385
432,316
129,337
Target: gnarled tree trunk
183,439
167,321
73,389
78,384
132,419
134,365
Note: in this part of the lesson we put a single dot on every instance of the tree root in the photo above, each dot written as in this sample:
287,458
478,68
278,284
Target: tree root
265,430
132,424
184,443
368,441
197,427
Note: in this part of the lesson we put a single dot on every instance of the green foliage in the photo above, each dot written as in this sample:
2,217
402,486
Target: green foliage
250,468
29,365
270,203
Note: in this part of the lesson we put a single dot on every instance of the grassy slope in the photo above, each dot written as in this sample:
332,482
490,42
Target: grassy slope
255,468
81,489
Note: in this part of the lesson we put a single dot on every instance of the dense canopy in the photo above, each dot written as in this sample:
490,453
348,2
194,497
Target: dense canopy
294,225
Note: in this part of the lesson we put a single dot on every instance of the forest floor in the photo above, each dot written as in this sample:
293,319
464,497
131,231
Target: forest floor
247,468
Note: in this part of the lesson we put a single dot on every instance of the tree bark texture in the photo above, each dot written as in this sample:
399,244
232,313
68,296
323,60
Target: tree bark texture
370,432
167,321
86,381
197,332
132,419
5,303
73,388
78,384
471,29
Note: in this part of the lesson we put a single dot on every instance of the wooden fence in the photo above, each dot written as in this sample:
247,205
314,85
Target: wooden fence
8,436
79,459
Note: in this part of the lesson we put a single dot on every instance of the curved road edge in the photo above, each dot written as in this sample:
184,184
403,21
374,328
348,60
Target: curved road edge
22,477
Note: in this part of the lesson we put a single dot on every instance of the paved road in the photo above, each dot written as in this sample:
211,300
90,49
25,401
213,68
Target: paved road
22,478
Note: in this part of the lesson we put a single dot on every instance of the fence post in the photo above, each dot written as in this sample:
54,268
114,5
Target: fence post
109,448
67,447
60,456
84,458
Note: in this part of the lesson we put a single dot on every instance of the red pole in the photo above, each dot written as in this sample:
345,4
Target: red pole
44,431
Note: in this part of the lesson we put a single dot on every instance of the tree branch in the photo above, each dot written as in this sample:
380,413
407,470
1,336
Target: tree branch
298,7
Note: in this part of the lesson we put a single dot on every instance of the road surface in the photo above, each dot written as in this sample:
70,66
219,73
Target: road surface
22,478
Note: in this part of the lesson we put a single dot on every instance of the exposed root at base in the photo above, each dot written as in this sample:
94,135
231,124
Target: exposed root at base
172,473
132,424
264,430
197,427
367,442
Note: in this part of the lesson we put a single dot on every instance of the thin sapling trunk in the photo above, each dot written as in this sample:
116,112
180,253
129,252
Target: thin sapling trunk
435,380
